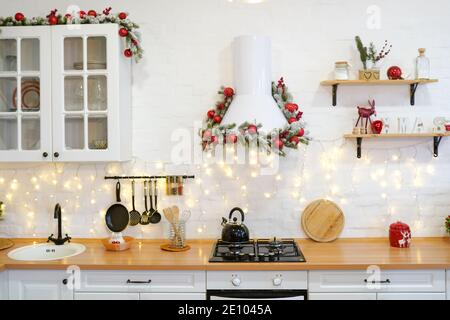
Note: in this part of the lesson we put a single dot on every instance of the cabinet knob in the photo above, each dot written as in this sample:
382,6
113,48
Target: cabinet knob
65,282
277,281
236,281
56,154
45,154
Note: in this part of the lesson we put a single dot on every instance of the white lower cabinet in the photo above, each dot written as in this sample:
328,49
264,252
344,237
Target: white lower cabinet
448,284
39,285
173,296
106,296
4,294
384,285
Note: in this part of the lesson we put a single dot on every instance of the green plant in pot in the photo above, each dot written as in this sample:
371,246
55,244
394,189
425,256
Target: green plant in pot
370,58
447,224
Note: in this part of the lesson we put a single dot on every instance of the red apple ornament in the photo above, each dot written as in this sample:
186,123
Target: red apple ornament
19,16
52,20
211,113
252,129
394,73
377,126
228,92
278,144
128,53
92,13
217,119
291,107
122,16
123,32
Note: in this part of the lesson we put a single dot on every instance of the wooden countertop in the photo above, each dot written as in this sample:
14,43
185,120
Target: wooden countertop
343,254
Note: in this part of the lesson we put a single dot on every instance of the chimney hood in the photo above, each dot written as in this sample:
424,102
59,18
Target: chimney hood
253,101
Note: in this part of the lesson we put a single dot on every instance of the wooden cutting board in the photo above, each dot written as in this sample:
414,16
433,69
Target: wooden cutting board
323,220
5,244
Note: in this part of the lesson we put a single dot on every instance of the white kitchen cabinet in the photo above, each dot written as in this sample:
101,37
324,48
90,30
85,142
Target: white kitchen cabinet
4,286
342,296
173,296
65,94
40,285
448,284
106,296
412,296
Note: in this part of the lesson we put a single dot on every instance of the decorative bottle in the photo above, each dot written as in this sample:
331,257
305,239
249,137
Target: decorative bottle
422,65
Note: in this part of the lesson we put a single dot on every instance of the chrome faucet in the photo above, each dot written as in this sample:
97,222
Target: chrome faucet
59,240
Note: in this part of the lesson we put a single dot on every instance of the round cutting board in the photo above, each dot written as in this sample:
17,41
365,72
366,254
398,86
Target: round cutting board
5,244
323,220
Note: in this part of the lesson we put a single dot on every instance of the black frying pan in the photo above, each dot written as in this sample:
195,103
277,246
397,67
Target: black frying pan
117,216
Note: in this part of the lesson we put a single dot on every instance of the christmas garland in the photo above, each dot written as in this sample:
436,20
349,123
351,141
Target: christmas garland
127,27
447,224
248,133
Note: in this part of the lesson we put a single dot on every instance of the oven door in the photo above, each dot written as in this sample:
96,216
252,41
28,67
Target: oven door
257,295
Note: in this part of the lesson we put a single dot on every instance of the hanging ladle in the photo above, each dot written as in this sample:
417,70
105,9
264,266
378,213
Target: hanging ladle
156,216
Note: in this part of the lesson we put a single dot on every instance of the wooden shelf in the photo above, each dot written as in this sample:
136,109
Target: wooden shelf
412,83
437,137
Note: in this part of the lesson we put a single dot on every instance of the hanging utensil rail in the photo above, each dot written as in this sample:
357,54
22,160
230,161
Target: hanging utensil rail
146,177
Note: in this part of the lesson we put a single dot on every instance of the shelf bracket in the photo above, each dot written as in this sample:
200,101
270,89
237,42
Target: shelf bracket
412,92
358,147
335,88
436,142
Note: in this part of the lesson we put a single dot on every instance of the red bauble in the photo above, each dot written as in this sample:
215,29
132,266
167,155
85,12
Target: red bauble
123,32
277,143
299,115
377,126
301,132
82,13
92,13
122,15
291,107
232,138
252,129
294,139
207,134
52,20
394,73
211,114
19,16
292,120
221,106
128,53
134,42
214,139
217,119
228,92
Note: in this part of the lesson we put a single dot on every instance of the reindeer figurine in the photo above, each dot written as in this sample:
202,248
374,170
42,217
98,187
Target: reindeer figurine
365,113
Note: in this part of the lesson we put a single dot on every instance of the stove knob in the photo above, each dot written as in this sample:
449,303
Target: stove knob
271,256
277,281
251,256
261,257
236,281
242,256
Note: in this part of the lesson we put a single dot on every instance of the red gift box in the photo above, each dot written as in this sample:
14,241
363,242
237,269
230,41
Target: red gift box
399,235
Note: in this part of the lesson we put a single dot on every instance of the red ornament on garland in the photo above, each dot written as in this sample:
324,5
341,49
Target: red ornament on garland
52,20
123,32
128,53
221,106
122,16
301,132
228,92
92,13
294,140
394,73
68,16
377,126
211,114
292,120
232,138
252,129
19,16
299,115
291,107
207,135
214,139
82,14
277,143
217,119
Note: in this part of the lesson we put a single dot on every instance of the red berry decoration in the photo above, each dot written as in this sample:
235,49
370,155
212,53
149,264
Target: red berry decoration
207,134
122,16
19,16
211,114
68,16
291,107
214,139
52,20
134,42
294,139
123,32
221,106
228,92
277,143
394,73
82,13
252,129
128,53
92,13
232,138
299,115
217,119
292,120
301,132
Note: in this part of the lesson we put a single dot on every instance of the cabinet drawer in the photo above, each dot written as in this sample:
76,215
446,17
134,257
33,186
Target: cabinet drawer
342,296
142,281
106,296
388,281
412,296
270,280
173,296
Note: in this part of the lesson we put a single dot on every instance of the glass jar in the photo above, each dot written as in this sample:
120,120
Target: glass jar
177,234
422,65
341,70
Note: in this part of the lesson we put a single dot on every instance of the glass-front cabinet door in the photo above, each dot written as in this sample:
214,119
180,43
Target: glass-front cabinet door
86,93
25,94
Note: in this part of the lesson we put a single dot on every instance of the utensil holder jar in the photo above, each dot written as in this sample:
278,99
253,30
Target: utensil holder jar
177,235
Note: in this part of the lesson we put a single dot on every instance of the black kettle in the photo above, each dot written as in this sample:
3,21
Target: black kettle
232,230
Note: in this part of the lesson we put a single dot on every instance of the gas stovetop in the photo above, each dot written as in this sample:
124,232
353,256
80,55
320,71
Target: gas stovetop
259,250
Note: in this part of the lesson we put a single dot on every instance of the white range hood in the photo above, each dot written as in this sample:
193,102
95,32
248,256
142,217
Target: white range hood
253,101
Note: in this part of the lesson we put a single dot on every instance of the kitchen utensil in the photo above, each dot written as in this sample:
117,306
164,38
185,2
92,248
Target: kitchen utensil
177,228
135,216
145,215
233,231
322,221
176,213
156,216
5,244
117,216
168,247
185,215
125,245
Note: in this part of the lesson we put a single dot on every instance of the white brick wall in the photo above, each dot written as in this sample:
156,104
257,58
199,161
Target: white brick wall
188,56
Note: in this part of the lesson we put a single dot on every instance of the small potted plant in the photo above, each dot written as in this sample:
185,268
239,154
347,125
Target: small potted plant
447,224
370,59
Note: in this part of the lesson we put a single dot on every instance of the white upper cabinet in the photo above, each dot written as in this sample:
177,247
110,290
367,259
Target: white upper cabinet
75,95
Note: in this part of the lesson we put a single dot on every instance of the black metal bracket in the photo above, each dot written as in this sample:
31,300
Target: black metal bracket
358,147
146,177
335,88
436,143
412,92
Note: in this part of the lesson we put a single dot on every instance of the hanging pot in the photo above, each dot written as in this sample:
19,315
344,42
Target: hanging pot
233,231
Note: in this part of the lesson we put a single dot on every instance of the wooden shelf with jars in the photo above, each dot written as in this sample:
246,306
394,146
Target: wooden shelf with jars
412,83
437,137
